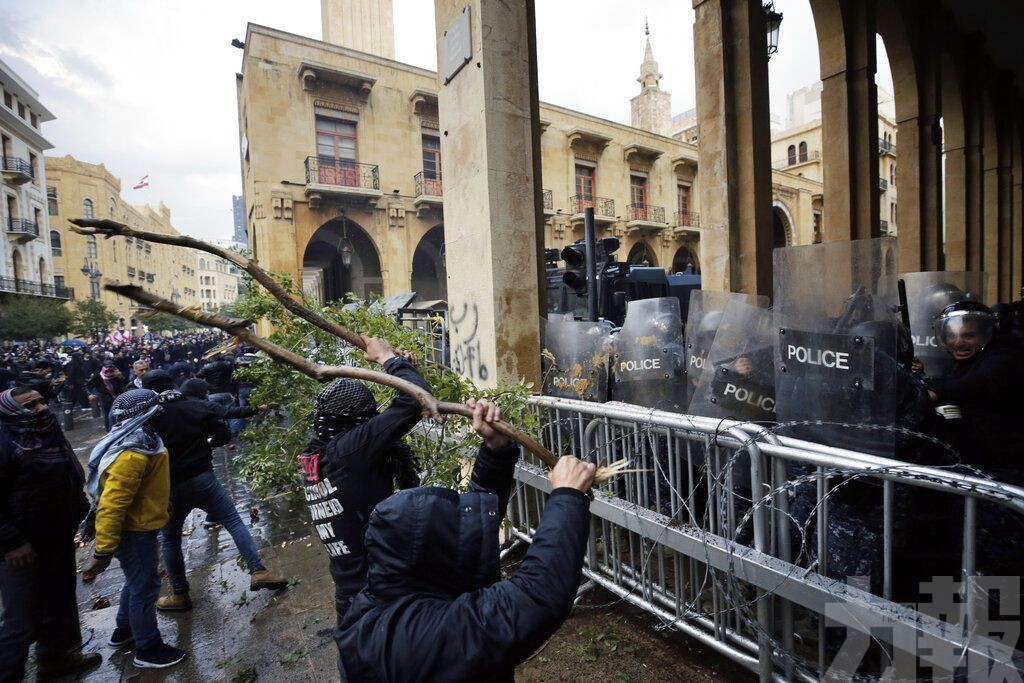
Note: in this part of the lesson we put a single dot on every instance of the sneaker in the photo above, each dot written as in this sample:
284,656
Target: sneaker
68,663
160,656
176,602
264,578
120,637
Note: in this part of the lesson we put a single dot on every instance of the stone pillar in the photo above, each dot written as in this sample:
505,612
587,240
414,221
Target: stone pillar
734,155
1017,217
489,131
974,132
955,208
364,25
990,205
849,120
1007,247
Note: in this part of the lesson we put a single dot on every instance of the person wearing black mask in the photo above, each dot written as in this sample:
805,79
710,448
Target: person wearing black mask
41,504
355,462
188,427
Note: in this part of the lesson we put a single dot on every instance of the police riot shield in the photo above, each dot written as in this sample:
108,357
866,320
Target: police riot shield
836,343
575,359
705,314
738,378
648,360
927,294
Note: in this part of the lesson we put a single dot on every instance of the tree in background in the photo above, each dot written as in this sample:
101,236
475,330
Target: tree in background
92,319
24,318
165,322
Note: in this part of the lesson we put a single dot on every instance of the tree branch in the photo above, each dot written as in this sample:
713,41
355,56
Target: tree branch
109,228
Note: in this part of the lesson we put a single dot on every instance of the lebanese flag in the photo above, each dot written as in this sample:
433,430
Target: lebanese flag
143,182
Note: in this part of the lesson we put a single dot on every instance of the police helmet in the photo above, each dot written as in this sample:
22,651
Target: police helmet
938,296
964,320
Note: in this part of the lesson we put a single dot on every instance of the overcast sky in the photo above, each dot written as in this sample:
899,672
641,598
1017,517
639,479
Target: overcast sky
147,87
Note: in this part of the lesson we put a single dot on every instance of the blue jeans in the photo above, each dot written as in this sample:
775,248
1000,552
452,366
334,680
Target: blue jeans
39,605
223,398
202,491
137,553
237,424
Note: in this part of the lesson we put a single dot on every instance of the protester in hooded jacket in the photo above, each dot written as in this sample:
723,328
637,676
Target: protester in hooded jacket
129,480
433,608
190,427
354,462
104,386
41,505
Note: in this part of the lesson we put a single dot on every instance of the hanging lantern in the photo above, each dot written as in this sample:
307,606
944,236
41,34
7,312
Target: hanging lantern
773,20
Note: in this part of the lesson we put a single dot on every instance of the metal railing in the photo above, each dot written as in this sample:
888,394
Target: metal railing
883,184
646,213
338,172
19,286
51,200
602,206
884,226
726,532
23,226
798,159
687,219
886,147
549,200
431,187
16,165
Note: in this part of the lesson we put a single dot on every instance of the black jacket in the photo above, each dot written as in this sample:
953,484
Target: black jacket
356,473
185,424
434,609
218,375
41,496
987,387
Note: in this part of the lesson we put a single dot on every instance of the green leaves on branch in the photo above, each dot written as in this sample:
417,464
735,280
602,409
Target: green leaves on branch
268,462
92,318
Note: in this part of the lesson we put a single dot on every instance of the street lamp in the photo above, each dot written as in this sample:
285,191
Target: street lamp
772,20
91,271
344,246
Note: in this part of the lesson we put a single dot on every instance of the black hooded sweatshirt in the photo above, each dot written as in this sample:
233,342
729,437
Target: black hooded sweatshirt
355,473
434,609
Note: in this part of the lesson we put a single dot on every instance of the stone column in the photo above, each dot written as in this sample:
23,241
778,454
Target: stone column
734,155
488,125
849,120
1017,218
990,209
974,131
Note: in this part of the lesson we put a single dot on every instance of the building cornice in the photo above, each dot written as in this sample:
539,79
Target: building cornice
22,130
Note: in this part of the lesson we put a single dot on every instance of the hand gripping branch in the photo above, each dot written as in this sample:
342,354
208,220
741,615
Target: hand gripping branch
430,406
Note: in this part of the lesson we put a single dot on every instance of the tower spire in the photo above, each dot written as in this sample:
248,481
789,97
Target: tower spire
649,76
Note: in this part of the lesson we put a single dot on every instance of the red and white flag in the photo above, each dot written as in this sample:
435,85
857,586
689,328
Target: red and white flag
143,182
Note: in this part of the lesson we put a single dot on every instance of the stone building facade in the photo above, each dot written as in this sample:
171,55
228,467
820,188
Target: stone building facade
218,281
90,190
343,182
26,266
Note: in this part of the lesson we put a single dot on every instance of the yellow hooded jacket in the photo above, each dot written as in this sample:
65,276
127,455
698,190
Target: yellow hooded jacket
133,495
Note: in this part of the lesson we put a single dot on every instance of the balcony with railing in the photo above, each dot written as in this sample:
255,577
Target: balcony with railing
687,220
22,229
51,200
549,202
797,159
15,170
645,217
886,147
604,208
340,179
429,192
883,184
33,288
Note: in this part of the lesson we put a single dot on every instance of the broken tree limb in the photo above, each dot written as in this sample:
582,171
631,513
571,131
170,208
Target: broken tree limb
430,406
109,228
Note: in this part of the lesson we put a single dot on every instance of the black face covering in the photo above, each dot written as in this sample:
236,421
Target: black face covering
340,406
328,425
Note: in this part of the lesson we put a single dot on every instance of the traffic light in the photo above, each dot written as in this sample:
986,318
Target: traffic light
575,257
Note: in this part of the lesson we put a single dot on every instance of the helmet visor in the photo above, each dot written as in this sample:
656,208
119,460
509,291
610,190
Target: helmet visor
961,331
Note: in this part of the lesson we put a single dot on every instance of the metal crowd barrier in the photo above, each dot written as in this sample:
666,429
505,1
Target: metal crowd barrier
700,533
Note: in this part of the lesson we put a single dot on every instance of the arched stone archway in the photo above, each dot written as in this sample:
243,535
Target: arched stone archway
783,230
642,254
686,255
324,272
429,274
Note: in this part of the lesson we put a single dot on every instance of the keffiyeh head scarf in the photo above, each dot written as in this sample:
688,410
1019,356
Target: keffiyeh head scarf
341,405
128,414
37,433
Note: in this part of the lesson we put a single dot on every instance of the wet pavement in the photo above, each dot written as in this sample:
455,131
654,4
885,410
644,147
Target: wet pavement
231,634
